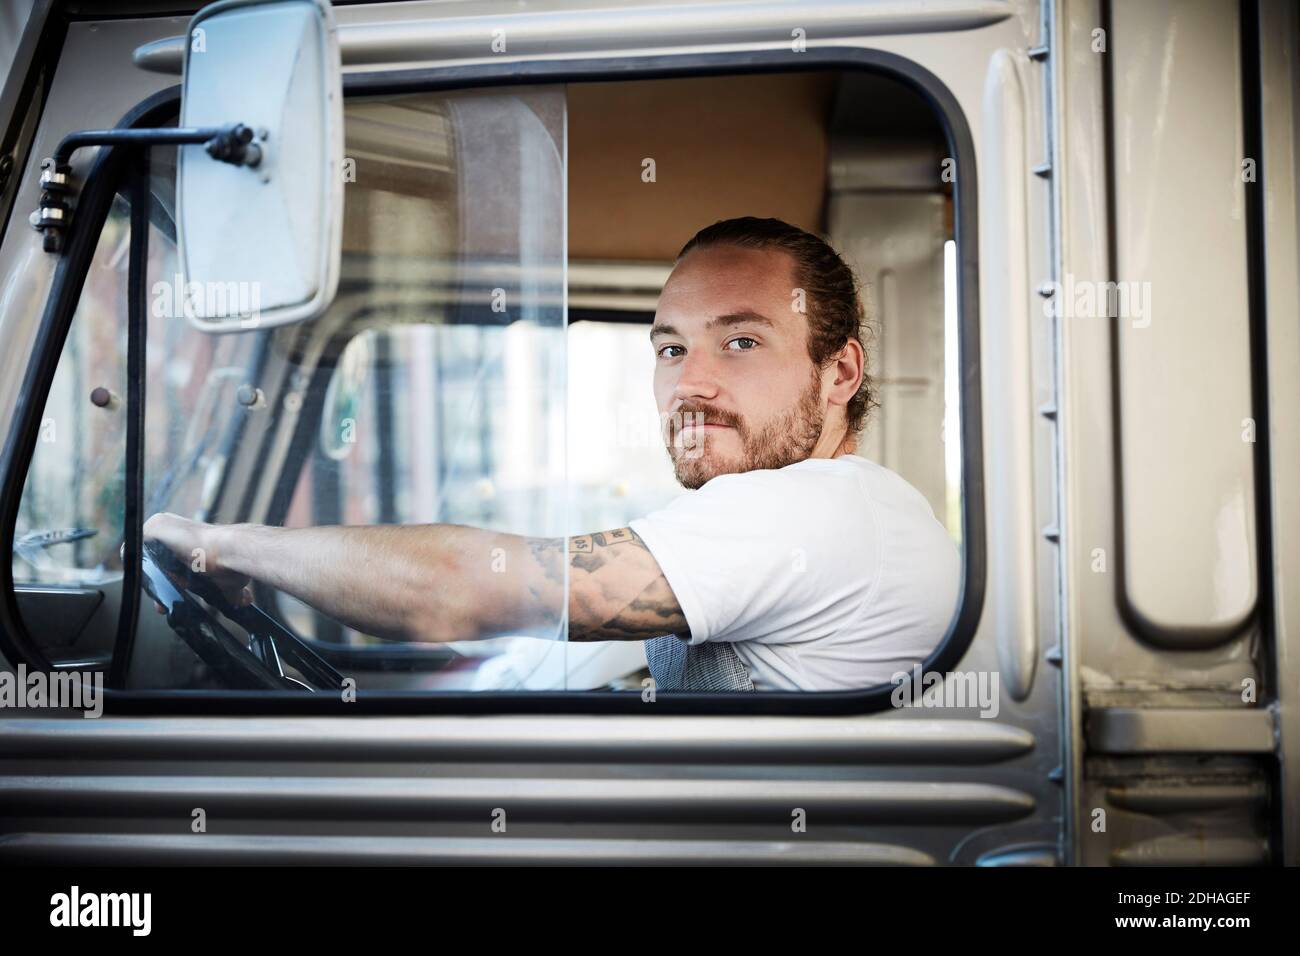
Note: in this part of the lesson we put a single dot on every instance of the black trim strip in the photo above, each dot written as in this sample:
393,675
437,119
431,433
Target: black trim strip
1257,284
137,346
1252,102
970,606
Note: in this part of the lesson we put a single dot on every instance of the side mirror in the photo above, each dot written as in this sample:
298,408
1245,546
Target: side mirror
259,234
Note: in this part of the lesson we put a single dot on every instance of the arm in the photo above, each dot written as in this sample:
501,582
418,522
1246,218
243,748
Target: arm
617,591
441,582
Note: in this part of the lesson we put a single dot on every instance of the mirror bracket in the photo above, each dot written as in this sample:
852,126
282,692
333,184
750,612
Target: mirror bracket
234,143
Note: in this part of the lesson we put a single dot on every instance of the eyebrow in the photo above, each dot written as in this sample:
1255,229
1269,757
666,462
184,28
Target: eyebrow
743,317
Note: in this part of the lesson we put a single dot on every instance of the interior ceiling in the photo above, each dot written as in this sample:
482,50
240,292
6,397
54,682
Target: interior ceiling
752,145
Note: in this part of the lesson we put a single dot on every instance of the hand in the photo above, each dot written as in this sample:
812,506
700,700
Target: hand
198,545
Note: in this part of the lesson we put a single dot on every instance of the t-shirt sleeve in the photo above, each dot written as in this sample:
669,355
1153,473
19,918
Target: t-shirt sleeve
758,556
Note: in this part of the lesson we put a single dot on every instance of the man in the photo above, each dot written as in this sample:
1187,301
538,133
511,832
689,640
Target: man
791,564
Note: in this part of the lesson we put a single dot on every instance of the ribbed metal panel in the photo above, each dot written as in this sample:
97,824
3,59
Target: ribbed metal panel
1180,797
473,798
490,739
614,790
211,850
1143,730
1179,850
404,33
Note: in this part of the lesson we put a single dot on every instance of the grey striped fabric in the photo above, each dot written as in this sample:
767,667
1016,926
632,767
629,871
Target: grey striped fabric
677,665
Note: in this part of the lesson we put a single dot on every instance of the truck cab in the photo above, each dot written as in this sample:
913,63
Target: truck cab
1076,225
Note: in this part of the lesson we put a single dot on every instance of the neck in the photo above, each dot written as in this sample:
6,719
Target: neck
835,443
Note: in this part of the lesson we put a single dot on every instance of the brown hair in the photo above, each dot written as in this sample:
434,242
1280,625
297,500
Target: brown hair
835,312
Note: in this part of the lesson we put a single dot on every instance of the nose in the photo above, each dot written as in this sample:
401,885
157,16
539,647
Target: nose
698,378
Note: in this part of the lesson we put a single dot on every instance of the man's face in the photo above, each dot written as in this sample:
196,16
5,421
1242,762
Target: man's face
734,383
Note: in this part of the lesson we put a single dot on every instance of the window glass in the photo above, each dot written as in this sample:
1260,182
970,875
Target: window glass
432,390
69,526
67,563
443,384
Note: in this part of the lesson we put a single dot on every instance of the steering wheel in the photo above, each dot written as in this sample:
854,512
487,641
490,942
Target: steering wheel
256,664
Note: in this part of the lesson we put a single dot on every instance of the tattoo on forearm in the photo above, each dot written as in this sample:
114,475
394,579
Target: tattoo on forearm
617,591
548,553
587,552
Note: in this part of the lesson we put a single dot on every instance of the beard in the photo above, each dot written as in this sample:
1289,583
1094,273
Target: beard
788,437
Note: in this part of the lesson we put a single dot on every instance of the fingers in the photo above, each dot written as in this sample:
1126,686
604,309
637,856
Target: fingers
191,542
154,525
172,530
185,538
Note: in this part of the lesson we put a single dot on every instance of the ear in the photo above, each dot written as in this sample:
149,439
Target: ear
850,365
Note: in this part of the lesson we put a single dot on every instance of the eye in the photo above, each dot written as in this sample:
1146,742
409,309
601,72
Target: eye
748,344
665,351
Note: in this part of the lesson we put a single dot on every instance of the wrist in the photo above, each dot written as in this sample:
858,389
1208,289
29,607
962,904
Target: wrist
230,547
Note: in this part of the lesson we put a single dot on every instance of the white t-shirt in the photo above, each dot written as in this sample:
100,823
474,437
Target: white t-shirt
828,574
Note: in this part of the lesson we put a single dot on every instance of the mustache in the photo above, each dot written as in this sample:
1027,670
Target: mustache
684,416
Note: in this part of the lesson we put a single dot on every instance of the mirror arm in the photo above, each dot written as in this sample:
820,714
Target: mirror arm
236,144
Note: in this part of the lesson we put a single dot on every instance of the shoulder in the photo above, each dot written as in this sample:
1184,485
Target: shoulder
889,490
815,507
904,520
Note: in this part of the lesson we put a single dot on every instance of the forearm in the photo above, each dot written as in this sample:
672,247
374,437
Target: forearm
407,582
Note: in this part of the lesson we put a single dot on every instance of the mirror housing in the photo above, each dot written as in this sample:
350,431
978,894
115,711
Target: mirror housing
259,234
